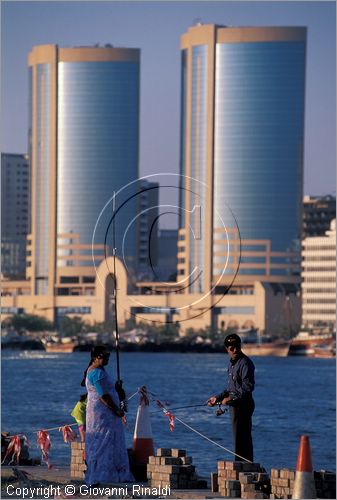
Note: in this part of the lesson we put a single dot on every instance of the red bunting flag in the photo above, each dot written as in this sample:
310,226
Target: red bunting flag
43,440
168,414
68,434
14,448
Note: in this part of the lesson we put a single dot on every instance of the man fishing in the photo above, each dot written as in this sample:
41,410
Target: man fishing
238,396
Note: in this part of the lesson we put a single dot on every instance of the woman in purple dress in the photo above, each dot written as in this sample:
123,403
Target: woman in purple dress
106,454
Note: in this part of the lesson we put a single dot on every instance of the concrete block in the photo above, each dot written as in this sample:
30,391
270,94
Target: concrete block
214,482
234,466
275,473
233,485
247,477
177,452
163,452
249,487
170,461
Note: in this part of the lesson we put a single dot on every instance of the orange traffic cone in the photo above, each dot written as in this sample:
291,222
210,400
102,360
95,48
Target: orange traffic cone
142,438
304,485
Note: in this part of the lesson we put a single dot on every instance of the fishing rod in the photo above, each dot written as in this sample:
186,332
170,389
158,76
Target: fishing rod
219,411
119,383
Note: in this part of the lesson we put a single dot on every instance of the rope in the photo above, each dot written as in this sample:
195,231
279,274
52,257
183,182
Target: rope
59,426
211,440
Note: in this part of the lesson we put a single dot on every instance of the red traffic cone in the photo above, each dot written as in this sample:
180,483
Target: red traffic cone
304,485
142,438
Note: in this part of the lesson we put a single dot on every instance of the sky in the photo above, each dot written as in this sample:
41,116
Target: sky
155,27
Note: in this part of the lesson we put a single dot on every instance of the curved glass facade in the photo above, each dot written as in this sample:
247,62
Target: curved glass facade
98,130
258,140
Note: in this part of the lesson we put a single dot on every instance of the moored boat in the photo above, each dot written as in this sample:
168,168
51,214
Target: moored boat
60,344
277,348
255,344
305,342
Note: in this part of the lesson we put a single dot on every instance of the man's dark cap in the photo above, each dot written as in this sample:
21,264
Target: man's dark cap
232,339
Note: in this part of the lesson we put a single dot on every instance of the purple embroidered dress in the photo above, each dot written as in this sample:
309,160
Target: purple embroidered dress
106,453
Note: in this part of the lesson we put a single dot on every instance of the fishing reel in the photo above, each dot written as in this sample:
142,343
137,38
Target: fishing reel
220,410
122,396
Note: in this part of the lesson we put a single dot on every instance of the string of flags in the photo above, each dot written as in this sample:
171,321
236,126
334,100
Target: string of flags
43,441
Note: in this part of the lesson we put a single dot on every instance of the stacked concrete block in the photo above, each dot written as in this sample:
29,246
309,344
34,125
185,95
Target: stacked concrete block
241,480
282,483
171,467
325,483
77,465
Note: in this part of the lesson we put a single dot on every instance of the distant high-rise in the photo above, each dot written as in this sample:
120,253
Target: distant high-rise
84,138
15,214
242,122
319,279
318,212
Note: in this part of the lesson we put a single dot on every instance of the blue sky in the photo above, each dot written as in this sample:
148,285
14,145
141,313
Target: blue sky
156,27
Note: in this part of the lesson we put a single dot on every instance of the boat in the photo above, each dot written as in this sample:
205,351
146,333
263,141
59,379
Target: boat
307,341
324,351
255,344
60,345
279,348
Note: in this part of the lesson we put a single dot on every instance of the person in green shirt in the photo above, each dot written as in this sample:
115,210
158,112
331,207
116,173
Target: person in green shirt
79,413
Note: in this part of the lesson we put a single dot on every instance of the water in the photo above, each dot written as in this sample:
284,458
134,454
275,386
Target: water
293,396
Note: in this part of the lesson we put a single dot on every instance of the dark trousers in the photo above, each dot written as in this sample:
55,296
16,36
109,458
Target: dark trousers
241,416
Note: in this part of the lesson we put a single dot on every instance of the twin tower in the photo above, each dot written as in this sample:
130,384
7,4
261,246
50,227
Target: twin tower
241,157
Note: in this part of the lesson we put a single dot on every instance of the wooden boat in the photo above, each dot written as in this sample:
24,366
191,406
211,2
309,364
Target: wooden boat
324,351
60,344
279,348
305,342
255,344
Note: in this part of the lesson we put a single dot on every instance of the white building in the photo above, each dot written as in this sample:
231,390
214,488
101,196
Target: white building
319,279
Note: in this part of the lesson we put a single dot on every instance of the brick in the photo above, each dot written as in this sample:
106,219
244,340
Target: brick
221,465
214,482
187,469
248,487
182,483
163,452
178,453
250,467
234,494
284,483
170,469
234,466
151,460
169,461
233,485
275,473
247,477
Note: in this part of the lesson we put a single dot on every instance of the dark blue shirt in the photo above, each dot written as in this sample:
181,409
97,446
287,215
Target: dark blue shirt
241,380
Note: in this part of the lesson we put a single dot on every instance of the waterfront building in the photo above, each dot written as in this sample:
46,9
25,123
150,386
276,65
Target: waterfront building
84,141
318,212
271,308
319,279
15,214
242,116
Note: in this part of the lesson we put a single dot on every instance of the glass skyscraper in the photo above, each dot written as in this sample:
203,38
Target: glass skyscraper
84,142
242,139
